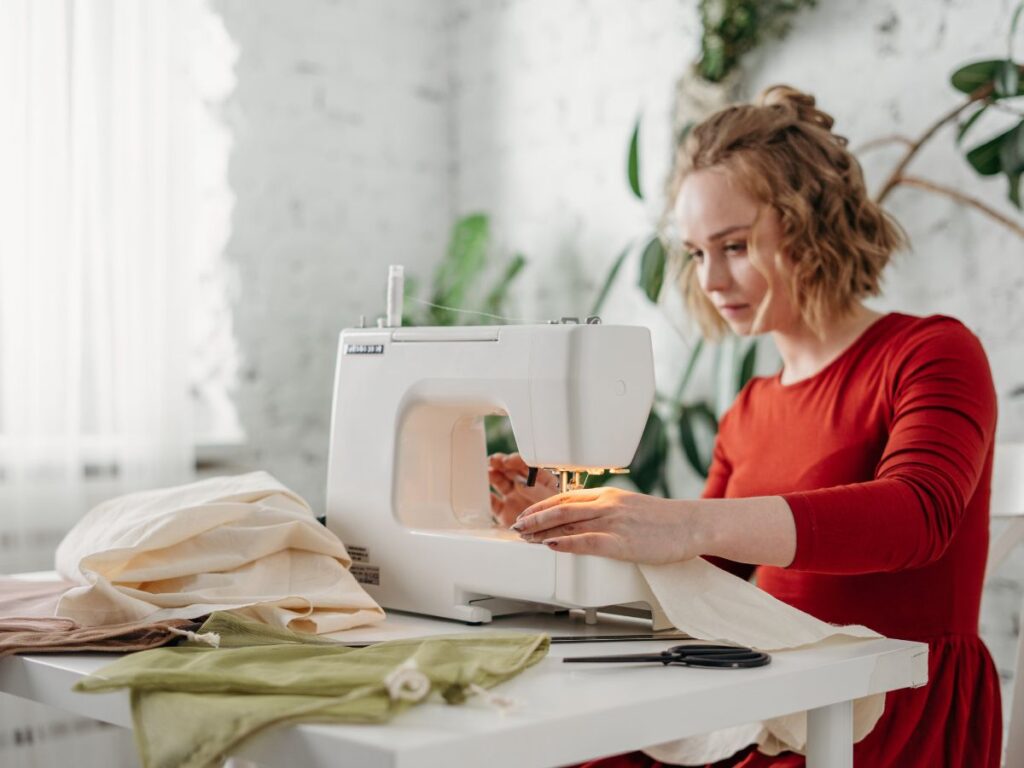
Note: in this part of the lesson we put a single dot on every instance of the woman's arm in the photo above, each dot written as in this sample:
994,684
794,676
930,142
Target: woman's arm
611,522
759,530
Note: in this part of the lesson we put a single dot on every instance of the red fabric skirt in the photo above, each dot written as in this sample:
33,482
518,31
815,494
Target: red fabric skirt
954,721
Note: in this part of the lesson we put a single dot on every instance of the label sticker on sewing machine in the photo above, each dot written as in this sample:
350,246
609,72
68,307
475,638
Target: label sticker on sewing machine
364,349
367,574
358,554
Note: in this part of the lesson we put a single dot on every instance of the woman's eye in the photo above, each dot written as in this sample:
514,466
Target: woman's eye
694,255
735,247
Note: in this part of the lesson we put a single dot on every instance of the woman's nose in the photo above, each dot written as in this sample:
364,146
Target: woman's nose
714,274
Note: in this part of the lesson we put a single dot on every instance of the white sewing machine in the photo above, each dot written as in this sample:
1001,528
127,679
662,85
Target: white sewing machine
407,488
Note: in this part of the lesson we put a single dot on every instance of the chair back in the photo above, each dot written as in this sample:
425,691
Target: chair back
1007,505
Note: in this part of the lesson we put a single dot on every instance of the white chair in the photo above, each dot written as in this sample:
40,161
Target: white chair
1008,505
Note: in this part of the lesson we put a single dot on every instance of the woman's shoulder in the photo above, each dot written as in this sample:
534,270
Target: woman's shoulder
937,353
922,325
914,334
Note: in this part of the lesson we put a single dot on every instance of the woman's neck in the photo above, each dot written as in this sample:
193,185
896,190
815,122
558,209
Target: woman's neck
804,354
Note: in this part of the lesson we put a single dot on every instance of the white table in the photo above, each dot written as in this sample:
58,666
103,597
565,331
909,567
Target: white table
568,713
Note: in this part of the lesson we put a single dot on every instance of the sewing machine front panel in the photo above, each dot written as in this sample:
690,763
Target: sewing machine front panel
407,475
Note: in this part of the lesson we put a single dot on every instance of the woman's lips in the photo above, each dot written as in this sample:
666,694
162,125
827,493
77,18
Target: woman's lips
733,310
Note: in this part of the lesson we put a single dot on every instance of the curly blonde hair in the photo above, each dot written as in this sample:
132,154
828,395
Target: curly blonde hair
782,151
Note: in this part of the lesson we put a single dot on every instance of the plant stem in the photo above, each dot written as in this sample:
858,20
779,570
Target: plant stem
610,279
960,197
881,142
982,92
691,364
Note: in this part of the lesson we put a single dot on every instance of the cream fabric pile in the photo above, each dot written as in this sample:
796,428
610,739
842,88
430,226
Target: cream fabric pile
708,603
243,543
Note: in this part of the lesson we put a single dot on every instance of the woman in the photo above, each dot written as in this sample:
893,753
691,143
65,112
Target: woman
857,479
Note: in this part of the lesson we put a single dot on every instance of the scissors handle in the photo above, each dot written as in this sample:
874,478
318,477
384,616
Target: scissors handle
701,656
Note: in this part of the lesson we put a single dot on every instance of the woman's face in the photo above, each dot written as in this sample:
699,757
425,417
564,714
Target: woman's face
716,219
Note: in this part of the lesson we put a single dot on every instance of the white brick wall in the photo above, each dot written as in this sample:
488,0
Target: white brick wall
362,128
340,166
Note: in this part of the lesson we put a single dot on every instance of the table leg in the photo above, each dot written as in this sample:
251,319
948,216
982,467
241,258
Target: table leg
830,736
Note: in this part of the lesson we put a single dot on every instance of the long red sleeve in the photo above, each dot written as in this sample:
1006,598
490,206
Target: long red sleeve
942,407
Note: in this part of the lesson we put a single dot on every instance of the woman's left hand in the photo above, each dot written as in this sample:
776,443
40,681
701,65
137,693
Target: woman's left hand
615,523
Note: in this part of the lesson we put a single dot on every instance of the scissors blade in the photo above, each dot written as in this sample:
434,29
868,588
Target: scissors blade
617,638
662,658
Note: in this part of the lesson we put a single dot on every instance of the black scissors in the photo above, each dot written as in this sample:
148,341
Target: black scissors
702,656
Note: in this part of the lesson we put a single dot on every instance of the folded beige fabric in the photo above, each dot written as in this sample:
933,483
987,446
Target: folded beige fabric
243,543
708,603
53,635
25,597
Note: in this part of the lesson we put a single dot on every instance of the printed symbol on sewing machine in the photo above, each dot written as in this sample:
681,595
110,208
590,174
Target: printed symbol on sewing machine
366,574
364,349
358,554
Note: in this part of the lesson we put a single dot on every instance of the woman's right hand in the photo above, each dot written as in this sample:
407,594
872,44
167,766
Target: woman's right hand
509,493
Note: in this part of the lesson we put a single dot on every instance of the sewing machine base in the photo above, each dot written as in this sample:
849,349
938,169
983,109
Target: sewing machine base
482,610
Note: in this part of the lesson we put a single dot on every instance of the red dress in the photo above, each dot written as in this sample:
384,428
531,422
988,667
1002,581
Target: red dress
885,458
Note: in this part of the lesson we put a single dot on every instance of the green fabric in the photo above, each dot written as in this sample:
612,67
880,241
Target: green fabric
193,704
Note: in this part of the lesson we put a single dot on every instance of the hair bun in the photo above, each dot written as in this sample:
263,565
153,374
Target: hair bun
801,104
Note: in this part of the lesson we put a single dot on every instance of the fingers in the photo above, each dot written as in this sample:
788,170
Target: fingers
508,506
563,509
500,481
515,469
600,544
593,525
502,511
569,497
514,463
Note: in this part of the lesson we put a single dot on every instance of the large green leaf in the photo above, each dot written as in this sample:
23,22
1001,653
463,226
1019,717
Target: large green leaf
465,259
633,163
984,158
496,298
1011,159
972,76
647,470
689,418
410,308
1011,150
1014,191
652,268
747,366
500,439
1007,80
969,122
691,366
610,280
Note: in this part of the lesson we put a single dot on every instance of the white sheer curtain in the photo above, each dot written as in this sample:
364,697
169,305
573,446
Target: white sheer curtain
97,198
98,113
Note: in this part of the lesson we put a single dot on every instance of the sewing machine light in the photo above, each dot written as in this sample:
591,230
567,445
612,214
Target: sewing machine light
573,480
